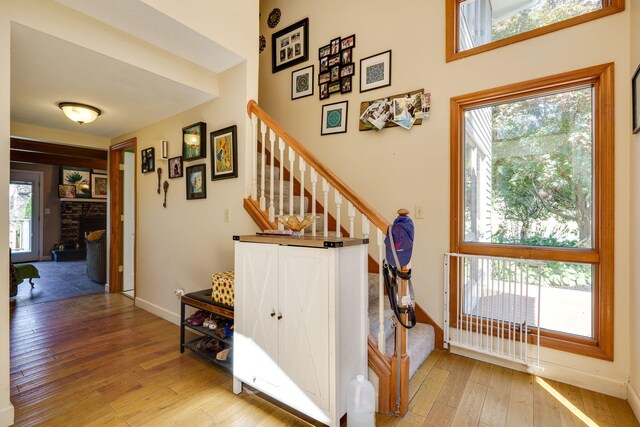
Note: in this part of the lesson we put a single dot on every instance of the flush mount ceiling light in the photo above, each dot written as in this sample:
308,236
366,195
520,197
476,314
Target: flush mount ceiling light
79,113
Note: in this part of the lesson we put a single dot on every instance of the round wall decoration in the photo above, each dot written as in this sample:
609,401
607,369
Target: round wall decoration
274,18
263,43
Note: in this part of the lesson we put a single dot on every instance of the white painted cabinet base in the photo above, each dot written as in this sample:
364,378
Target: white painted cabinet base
301,323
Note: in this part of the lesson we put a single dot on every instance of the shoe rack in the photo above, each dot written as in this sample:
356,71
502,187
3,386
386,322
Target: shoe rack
202,300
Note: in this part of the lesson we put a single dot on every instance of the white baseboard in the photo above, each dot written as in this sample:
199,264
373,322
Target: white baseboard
634,400
7,416
158,311
563,374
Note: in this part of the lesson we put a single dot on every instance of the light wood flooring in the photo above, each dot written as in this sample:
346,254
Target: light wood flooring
98,360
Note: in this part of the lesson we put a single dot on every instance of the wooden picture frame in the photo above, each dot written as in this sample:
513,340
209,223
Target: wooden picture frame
334,118
224,153
196,182
79,177
375,71
66,191
176,167
290,46
302,82
99,186
635,88
148,160
194,144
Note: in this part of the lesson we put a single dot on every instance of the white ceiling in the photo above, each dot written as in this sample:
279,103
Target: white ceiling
46,70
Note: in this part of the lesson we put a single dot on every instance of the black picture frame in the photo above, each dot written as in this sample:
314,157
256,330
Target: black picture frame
334,118
348,42
324,65
635,88
302,84
348,70
324,78
189,150
224,153
148,160
176,167
334,73
324,51
346,56
196,181
374,60
333,87
324,91
346,84
335,46
285,45
79,178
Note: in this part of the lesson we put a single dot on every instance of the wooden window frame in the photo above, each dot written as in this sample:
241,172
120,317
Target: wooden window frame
602,254
609,7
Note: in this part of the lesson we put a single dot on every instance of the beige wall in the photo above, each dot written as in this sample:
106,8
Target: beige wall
399,168
51,201
58,136
6,409
634,253
182,245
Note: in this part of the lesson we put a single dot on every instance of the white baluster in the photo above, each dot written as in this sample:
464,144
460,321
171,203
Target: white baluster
338,200
272,209
352,215
281,181
254,157
381,343
325,190
292,159
365,226
314,181
263,162
302,166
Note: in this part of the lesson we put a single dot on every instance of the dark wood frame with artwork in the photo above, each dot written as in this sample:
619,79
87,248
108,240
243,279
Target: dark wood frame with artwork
309,72
95,176
363,71
145,154
345,116
202,132
304,25
65,169
190,169
180,173
233,130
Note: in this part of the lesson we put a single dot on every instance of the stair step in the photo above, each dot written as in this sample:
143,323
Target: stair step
267,172
285,203
420,344
286,186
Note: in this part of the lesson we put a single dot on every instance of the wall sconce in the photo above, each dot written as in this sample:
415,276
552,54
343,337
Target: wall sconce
79,113
165,149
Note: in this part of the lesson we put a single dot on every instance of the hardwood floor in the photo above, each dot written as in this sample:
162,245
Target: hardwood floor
98,360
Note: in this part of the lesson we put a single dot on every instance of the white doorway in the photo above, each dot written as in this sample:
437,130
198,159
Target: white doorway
25,226
128,223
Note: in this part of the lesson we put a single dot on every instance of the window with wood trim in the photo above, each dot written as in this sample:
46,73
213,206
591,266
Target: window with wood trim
475,26
532,177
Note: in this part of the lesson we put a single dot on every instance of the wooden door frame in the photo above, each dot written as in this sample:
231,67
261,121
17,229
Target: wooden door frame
116,157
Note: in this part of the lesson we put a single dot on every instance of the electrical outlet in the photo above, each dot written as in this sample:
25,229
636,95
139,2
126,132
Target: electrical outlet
419,212
227,215
47,211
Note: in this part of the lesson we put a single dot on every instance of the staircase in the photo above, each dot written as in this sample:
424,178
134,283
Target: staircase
277,189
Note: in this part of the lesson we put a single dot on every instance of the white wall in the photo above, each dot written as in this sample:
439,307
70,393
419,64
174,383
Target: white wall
634,253
399,168
182,245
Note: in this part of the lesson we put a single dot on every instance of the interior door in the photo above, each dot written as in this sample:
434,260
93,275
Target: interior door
304,328
255,338
24,215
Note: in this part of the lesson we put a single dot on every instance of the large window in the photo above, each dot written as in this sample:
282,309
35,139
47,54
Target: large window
475,26
532,177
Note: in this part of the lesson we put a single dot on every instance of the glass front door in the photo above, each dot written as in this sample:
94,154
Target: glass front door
24,208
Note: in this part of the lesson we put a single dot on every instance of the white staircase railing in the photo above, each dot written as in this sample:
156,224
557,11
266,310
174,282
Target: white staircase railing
492,306
355,209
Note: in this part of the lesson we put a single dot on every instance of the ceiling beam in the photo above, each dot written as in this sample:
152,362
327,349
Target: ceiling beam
46,153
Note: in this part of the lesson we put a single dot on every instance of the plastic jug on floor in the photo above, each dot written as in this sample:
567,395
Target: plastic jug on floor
361,403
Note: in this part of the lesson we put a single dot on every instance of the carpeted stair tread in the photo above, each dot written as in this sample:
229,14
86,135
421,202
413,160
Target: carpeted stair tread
420,344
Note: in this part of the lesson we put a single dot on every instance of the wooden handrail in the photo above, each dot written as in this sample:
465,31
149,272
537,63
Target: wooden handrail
376,219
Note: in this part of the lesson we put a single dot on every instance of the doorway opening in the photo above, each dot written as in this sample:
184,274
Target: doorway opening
24,215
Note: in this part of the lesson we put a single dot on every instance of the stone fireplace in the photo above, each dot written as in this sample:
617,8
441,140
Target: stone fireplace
78,218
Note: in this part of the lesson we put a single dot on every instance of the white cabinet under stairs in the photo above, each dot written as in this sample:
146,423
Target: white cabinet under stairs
300,320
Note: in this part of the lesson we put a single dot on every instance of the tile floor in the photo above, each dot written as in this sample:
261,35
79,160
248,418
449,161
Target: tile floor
58,280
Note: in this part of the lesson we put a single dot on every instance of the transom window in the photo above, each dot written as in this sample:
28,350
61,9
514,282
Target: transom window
533,178
475,26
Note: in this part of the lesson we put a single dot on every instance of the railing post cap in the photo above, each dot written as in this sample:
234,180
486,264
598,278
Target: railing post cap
403,212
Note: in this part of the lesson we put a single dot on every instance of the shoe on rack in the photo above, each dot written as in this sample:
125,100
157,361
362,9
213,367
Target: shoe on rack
223,355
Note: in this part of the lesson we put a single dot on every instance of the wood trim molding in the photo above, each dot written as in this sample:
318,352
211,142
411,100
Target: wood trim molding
602,254
452,18
49,153
115,210
423,317
376,219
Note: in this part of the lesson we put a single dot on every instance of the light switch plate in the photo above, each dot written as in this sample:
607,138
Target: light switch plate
419,212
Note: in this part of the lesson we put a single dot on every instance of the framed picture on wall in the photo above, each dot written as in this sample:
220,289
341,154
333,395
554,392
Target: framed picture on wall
78,177
635,87
224,147
176,169
194,145
148,160
302,83
66,191
197,182
375,71
290,46
334,118
99,186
